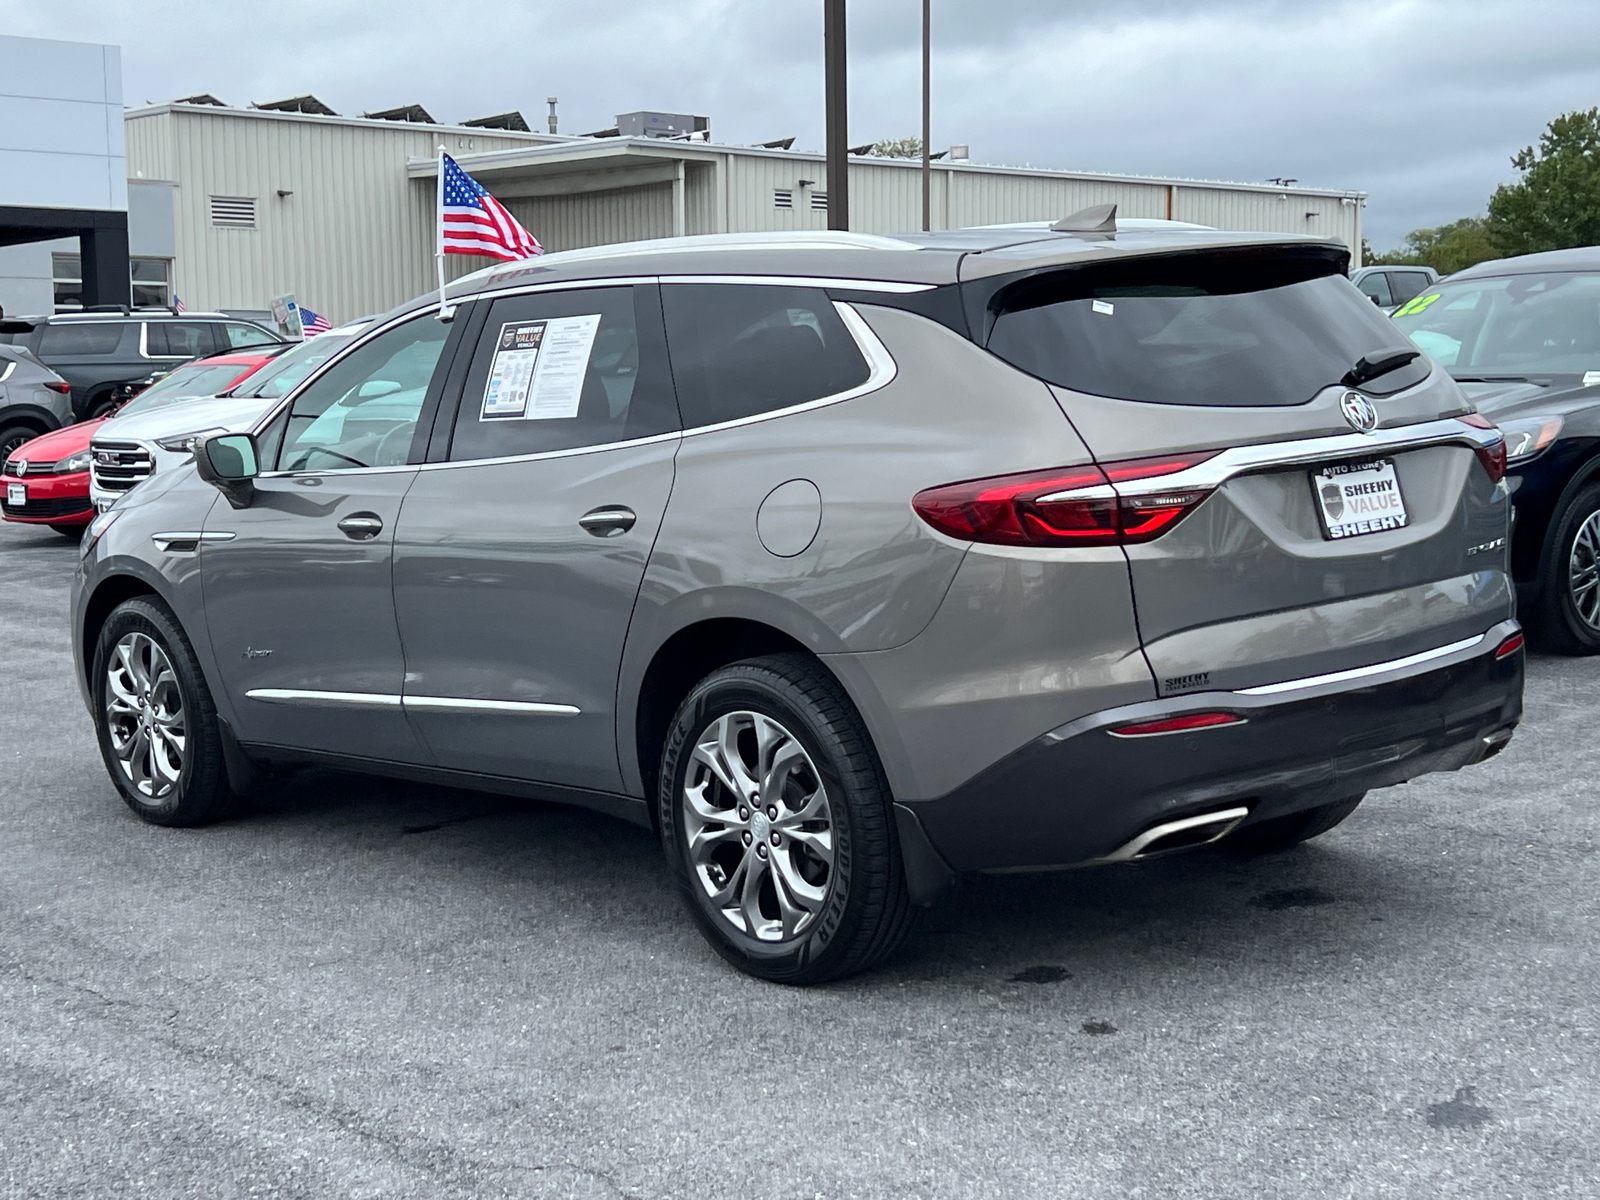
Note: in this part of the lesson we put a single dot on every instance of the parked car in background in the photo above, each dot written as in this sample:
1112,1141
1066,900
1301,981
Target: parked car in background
157,429
33,399
846,563
1522,338
50,477
107,356
1390,287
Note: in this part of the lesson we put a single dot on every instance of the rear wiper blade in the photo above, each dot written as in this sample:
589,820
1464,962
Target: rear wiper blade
1371,368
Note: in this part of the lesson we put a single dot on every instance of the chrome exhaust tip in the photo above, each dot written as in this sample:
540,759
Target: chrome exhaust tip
1185,834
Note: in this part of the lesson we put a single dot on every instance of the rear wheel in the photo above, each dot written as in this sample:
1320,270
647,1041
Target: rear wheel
775,817
1282,832
156,722
1567,617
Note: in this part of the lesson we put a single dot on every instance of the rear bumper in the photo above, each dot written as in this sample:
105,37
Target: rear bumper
1079,794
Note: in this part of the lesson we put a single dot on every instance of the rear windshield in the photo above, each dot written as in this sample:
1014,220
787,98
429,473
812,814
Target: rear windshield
1236,329
277,377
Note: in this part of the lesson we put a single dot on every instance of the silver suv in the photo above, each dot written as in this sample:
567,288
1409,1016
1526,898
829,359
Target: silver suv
849,564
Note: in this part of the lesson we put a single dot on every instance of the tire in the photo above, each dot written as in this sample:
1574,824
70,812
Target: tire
100,406
13,436
147,682
1281,833
1566,617
828,896
72,533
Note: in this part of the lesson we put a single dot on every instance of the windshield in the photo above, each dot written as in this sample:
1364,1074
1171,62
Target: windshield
280,375
1510,326
186,383
1226,328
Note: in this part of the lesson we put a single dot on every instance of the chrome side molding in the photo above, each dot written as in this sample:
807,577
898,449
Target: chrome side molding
187,542
310,696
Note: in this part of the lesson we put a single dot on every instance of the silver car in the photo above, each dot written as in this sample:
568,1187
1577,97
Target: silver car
33,399
849,564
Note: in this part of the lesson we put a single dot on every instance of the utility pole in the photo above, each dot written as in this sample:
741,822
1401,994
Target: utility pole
927,117
838,122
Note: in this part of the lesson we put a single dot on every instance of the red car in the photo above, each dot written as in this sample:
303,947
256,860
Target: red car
47,479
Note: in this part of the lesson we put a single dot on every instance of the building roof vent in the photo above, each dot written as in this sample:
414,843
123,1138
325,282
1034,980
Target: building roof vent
413,113
684,127
205,98
512,120
298,104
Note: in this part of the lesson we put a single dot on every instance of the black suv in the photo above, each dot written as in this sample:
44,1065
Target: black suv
108,356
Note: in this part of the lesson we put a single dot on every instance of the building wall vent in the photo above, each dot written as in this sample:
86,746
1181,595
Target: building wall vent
819,201
233,212
782,197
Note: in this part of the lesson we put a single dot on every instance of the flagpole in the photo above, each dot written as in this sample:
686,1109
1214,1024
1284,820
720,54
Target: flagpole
438,253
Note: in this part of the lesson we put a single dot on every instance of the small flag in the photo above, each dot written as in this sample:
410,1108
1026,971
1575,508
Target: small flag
474,222
177,305
312,323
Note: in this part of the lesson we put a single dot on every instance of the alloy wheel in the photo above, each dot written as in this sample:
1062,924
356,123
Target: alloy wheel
759,826
1583,572
145,716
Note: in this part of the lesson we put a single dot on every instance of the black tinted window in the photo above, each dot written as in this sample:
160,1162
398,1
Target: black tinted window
743,349
1406,285
175,339
100,337
1237,329
561,370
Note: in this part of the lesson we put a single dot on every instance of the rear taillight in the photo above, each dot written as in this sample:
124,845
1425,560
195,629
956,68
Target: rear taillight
1184,724
1074,506
63,387
1492,456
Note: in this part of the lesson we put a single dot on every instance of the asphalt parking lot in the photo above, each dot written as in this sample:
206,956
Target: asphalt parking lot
364,989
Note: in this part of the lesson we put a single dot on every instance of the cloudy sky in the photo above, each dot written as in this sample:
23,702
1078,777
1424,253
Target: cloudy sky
1419,103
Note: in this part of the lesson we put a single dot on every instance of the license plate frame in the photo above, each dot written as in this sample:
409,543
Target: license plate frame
1358,499
16,494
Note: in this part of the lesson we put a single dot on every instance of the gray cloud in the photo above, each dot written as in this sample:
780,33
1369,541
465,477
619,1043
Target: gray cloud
1420,103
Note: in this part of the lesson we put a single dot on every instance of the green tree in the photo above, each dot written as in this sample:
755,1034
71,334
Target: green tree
910,147
1445,248
1556,204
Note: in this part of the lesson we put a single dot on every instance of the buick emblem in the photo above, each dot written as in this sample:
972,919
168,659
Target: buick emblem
1358,410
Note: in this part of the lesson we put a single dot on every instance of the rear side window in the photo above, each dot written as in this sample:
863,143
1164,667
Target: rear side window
178,339
98,337
743,349
566,369
1236,329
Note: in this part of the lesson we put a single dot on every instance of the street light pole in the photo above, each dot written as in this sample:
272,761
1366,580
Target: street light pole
927,119
838,123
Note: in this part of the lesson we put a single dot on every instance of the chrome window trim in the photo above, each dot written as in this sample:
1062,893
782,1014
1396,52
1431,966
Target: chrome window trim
465,704
600,447
1394,664
1236,460
332,699
881,372
895,287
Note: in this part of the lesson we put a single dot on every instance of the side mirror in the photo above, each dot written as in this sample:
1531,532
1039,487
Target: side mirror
227,461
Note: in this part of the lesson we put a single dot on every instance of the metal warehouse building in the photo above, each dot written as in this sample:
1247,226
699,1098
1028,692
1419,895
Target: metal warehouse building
340,210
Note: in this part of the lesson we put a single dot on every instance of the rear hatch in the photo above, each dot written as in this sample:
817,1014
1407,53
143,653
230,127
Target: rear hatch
1298,492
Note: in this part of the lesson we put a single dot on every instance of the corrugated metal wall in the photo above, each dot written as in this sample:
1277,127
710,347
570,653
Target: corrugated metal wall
345,241
597,218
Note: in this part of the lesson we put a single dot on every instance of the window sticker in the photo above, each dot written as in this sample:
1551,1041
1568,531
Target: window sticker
1417,305
1104,307
539,369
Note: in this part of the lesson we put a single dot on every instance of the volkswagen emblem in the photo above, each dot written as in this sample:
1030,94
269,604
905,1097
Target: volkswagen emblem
22,466
1358,410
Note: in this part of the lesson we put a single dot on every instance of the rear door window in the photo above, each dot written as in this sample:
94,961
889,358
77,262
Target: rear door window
562,370
178,339
1229,329
739,350
88,337
1406,285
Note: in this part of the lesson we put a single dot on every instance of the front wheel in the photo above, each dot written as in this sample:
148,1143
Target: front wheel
157,725
775,818
1567,616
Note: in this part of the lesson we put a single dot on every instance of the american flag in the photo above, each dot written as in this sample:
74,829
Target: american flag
312,323
177,305
474,222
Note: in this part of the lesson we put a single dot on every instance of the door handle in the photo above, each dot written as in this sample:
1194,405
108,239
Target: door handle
612,520
361,526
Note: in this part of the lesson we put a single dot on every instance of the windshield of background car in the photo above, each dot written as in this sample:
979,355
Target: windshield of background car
186,383
1509,325
1224,328
278,377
